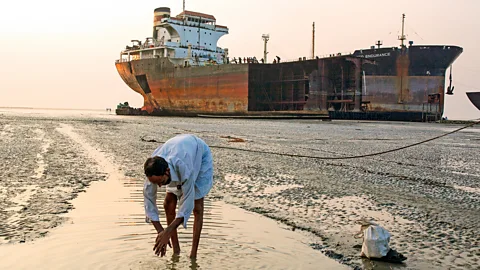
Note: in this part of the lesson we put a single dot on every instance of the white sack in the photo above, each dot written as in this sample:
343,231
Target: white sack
375,242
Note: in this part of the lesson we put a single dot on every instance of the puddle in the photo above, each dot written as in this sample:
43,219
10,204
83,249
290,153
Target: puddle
107,231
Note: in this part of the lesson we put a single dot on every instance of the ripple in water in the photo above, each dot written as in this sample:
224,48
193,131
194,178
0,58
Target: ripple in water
107,231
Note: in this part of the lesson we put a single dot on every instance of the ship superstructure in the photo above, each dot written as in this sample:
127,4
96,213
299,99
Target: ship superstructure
189,39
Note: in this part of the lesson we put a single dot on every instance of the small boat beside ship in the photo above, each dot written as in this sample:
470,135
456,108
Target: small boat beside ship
181,71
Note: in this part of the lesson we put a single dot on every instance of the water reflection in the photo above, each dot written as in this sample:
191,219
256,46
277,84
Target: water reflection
231,238
194,264
107,230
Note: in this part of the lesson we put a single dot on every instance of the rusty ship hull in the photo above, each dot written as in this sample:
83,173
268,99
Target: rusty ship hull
169,90
301,87
378,84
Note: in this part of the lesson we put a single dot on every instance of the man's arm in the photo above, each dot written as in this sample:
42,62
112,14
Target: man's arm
187,203
177,222
163,237
150,203
157,226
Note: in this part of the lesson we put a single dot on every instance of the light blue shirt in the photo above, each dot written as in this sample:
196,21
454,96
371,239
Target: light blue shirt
183,154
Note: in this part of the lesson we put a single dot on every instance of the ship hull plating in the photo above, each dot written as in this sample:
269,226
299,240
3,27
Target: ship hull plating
169,90
240,89
474,98
406,83
380,84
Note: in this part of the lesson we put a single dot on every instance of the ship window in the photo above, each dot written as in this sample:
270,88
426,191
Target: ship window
190,30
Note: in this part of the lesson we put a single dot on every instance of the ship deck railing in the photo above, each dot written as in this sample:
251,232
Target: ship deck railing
167,45
204,60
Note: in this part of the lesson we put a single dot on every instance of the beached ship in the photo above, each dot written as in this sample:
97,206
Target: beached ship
474,98
180,70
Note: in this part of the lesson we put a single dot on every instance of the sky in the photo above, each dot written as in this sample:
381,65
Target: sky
61,54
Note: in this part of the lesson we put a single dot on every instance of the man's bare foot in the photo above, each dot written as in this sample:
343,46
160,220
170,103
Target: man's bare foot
194,264
193,256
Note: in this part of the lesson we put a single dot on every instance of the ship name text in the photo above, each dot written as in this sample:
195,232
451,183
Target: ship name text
376,55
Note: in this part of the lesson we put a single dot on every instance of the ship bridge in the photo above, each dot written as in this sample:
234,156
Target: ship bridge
189,39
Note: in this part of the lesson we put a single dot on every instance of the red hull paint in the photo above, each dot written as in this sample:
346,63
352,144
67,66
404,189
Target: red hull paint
192,90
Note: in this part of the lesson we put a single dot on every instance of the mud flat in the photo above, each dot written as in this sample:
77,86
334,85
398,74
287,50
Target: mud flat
422,195
106,229
426,196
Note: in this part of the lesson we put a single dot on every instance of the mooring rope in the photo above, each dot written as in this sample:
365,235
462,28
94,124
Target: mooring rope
335,158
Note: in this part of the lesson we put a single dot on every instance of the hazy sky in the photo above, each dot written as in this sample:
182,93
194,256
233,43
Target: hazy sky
61,54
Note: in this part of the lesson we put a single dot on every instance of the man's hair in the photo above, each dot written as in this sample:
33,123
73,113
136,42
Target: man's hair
155,166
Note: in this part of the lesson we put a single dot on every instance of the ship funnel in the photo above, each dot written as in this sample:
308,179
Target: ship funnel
158,15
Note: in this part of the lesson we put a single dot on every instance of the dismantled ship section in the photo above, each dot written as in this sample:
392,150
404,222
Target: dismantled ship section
310,86
347,87
327,86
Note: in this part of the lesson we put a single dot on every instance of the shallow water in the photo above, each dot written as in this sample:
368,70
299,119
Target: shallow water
106,230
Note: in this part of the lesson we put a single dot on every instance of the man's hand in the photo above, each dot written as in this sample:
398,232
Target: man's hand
163,239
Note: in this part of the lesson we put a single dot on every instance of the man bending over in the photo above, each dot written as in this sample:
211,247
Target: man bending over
184,165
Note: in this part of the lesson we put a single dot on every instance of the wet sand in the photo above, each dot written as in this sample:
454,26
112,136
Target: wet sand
106,230
427,196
